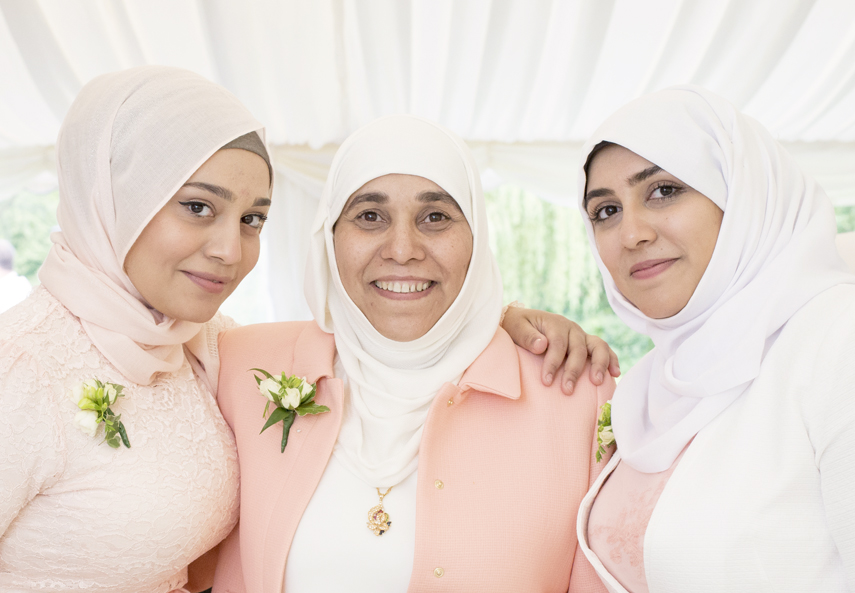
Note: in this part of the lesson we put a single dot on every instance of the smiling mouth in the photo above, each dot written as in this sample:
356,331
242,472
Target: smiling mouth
403,287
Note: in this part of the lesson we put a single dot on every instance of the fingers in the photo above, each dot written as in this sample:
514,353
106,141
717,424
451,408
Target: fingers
577,357
555,353
601,358
614,364
521,325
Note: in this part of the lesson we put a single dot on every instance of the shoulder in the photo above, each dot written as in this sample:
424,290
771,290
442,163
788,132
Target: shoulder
829,315
41,336
34,315
820,338
531,374
816,362
281,336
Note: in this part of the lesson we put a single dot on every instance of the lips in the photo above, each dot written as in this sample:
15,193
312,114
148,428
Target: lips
650,268
211,283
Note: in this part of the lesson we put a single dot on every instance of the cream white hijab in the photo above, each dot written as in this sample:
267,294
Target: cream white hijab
129,141
392,383
775,252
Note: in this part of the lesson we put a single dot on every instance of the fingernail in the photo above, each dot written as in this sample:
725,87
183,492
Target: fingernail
599,377
549,378
569,385
537,342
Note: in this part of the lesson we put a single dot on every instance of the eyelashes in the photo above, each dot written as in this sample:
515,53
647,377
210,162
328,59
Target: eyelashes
661,193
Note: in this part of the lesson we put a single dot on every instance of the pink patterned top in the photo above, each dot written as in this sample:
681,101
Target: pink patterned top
619,518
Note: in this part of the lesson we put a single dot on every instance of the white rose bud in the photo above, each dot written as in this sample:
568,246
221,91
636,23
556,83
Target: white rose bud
268,387
87,421
607,437
305,388
77,394
111,393
291,399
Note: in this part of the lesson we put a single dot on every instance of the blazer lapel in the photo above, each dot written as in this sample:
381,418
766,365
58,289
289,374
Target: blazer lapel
294,479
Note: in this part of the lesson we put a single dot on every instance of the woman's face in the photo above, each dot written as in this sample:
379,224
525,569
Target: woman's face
205,240
403,248
654,233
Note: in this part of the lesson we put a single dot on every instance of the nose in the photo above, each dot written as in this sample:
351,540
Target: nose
403,243
635,228
224,244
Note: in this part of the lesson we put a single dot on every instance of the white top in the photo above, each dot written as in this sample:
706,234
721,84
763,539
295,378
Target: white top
13,290
76,515
763,498
333,549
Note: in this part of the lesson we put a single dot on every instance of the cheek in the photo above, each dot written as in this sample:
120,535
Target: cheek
250,250
609,251
349,255
457,254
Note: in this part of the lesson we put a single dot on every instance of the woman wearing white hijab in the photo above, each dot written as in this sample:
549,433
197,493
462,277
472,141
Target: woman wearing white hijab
163,191
438,428
735,435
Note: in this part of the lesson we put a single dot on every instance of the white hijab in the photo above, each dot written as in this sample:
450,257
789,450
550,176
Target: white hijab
775,252
393,383
129,142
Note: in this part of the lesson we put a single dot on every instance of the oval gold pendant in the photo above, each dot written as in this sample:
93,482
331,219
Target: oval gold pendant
378,520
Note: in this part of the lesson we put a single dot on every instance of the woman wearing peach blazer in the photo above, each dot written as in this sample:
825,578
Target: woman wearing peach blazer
434,413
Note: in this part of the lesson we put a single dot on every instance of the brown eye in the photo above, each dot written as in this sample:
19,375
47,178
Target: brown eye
606,212
369,216
436,217
665,191
197,208
255,221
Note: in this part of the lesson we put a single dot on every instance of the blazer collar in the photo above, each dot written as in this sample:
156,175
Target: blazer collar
496,370
314,353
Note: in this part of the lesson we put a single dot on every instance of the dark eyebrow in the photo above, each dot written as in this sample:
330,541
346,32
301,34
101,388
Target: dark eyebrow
374,197
597,193
224,193
642,175
217,190
436,196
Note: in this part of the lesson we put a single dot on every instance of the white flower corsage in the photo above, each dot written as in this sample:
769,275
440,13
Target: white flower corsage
292,396
605,436
94,399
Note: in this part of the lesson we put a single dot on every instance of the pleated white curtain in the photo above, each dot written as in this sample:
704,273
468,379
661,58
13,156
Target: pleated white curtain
524,81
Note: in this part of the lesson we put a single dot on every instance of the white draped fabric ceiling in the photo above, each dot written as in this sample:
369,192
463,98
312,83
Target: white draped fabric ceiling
524,81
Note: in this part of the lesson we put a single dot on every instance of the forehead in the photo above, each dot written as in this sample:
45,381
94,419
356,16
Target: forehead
610,164
399,185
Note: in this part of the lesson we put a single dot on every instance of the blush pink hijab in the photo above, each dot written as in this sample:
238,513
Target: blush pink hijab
129,141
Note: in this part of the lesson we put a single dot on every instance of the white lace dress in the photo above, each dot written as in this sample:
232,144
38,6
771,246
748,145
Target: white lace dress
78,515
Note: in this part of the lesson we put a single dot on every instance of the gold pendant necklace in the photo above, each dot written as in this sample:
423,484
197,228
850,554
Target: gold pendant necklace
378,518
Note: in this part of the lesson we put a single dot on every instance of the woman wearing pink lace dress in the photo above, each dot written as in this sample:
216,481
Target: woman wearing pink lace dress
145,154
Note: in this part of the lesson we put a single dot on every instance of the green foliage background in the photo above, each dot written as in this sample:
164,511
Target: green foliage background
546,263
26,220
542,250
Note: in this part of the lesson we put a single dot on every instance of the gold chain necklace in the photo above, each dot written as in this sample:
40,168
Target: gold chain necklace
378,518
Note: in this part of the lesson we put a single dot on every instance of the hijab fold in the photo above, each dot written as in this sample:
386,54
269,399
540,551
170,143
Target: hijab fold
775,252
391,384
129,141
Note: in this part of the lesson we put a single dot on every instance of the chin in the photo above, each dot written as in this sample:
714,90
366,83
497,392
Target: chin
200,313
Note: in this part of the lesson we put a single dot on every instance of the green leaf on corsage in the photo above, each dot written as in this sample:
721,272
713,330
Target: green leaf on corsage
291,396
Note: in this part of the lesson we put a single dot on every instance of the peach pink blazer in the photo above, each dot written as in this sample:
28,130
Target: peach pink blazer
514,457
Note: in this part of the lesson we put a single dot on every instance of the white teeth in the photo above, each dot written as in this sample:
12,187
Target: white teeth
402,287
